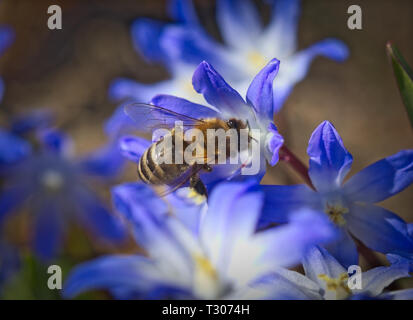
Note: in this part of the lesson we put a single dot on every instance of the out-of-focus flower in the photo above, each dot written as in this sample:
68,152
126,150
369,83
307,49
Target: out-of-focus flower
6,39
350,205
218,260
248,48
326,279
9,262
227,103
54,187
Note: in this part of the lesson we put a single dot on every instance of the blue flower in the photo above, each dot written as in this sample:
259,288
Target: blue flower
54,187
326,279
349,205
225,103
248,48
216,260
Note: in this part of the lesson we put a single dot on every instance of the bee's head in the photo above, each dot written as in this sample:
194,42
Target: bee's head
236,124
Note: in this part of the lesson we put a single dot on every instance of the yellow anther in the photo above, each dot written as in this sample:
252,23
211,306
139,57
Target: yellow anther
335,213
204,266
337,288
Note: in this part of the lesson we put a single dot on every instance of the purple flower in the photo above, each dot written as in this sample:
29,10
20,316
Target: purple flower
326,279
248,48
225,103
54,187
218,259
350,205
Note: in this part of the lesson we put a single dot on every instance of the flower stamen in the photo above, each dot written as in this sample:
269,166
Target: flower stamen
335,213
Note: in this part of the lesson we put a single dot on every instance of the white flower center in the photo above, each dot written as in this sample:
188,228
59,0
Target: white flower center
52,180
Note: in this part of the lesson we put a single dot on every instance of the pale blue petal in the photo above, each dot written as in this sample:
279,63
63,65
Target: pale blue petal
239,23
375,280
283,27
233,212
318,261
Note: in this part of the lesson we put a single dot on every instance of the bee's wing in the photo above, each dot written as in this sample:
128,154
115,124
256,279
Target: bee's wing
181,180
149,117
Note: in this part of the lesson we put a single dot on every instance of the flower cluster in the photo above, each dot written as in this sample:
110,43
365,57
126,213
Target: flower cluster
242,240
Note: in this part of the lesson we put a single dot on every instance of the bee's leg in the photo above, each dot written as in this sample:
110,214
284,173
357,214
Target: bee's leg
196,183
207,168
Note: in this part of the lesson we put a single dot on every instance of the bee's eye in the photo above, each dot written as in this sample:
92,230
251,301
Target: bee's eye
231,123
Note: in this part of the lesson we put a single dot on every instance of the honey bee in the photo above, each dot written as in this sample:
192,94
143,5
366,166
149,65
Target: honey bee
176,175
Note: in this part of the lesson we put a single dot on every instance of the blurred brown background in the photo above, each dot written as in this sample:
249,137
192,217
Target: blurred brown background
69,71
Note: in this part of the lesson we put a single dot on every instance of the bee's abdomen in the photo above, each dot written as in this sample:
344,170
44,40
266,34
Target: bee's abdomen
152,173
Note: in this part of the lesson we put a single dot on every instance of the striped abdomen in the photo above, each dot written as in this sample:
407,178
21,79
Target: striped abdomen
152,173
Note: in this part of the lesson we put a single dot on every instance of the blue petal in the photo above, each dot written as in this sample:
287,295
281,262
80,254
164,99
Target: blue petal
110,272
260,92
183,106
330,48
183,11
217,92
56,141
329,159
146,35
379,229
133,147
106,162
273,144
382,179
283,26
239,23
32,121
281,201
375,280
7,36
344,249
191,47
97,217
12,148
48,232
